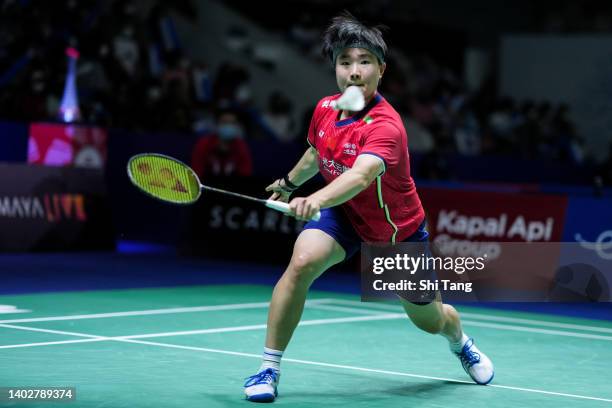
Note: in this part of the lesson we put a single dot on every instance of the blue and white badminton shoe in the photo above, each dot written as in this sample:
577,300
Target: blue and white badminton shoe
261,387
476,363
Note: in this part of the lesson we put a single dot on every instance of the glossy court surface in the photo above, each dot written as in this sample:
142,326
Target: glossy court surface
192,346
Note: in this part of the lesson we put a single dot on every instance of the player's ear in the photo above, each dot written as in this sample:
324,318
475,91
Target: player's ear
381,70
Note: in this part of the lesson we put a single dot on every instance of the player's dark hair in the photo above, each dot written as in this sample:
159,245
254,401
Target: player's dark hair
345,31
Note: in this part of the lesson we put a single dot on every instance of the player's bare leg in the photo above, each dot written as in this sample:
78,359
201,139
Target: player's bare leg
313,253
435,318
439,318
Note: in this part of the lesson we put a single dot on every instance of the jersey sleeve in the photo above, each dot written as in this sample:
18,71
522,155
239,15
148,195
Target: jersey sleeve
317,115
311,130
385,142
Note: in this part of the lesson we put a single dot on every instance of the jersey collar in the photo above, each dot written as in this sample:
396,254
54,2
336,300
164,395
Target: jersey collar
359,115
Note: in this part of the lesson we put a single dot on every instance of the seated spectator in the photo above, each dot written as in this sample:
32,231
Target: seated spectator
231,84
224,153
277,118
467,133
420,139
569,145
502,125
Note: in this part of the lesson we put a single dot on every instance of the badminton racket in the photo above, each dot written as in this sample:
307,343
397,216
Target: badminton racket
172,181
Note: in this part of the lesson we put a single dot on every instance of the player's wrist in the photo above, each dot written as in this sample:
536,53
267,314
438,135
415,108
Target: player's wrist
286,185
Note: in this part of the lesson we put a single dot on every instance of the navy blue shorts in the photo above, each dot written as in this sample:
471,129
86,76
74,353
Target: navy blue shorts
335,224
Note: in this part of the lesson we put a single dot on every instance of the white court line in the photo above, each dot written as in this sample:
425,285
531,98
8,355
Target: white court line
9,309
92,338
362,307
50,343
378,317
212,308
318,304
346,309
38,329
132,339
314,322
390,308
536,330
543,323
485,324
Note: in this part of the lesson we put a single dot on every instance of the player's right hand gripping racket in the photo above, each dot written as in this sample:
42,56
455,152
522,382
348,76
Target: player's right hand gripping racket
170,180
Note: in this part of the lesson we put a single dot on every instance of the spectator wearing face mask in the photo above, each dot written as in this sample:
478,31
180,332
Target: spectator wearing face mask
225,153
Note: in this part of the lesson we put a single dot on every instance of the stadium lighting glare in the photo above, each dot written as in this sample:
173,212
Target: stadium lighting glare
69,108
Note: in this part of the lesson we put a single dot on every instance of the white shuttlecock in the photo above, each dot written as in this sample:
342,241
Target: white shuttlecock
351,100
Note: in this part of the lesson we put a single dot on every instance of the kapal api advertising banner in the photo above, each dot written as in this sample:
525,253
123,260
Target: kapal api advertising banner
503,247
459,218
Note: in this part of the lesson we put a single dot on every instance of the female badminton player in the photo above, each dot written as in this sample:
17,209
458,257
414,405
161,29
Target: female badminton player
369,196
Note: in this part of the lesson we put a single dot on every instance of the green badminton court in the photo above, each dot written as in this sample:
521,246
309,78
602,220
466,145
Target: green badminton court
193,346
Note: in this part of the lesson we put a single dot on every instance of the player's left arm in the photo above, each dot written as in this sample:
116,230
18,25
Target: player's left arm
346,186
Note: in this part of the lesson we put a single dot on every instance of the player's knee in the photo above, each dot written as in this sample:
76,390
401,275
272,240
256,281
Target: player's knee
304,268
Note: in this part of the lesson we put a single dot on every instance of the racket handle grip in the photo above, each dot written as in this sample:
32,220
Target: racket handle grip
284,208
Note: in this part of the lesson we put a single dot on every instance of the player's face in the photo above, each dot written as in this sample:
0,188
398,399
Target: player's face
358,66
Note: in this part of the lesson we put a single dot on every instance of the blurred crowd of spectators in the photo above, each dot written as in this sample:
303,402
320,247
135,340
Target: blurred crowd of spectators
133,74
442,116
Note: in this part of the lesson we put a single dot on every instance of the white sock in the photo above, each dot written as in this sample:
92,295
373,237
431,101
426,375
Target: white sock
457,346
271,359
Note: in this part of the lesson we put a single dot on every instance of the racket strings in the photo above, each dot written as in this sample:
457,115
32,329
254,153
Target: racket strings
165,179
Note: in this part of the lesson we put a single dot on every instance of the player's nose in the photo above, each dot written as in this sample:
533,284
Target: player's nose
355,74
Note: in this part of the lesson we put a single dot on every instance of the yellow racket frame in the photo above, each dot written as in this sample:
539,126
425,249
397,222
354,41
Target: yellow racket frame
164,178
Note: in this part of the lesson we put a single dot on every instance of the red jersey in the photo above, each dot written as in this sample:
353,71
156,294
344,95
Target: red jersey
389,210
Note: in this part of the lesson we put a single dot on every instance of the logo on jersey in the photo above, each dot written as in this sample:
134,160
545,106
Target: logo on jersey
325,104
350,149
321,133
333,167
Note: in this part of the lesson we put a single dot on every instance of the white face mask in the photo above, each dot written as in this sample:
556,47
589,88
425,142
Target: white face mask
229,131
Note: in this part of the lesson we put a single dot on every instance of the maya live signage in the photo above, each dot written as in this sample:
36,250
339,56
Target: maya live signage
55,144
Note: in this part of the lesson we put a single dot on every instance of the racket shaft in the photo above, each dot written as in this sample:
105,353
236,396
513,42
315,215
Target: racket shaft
275,205
231,193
